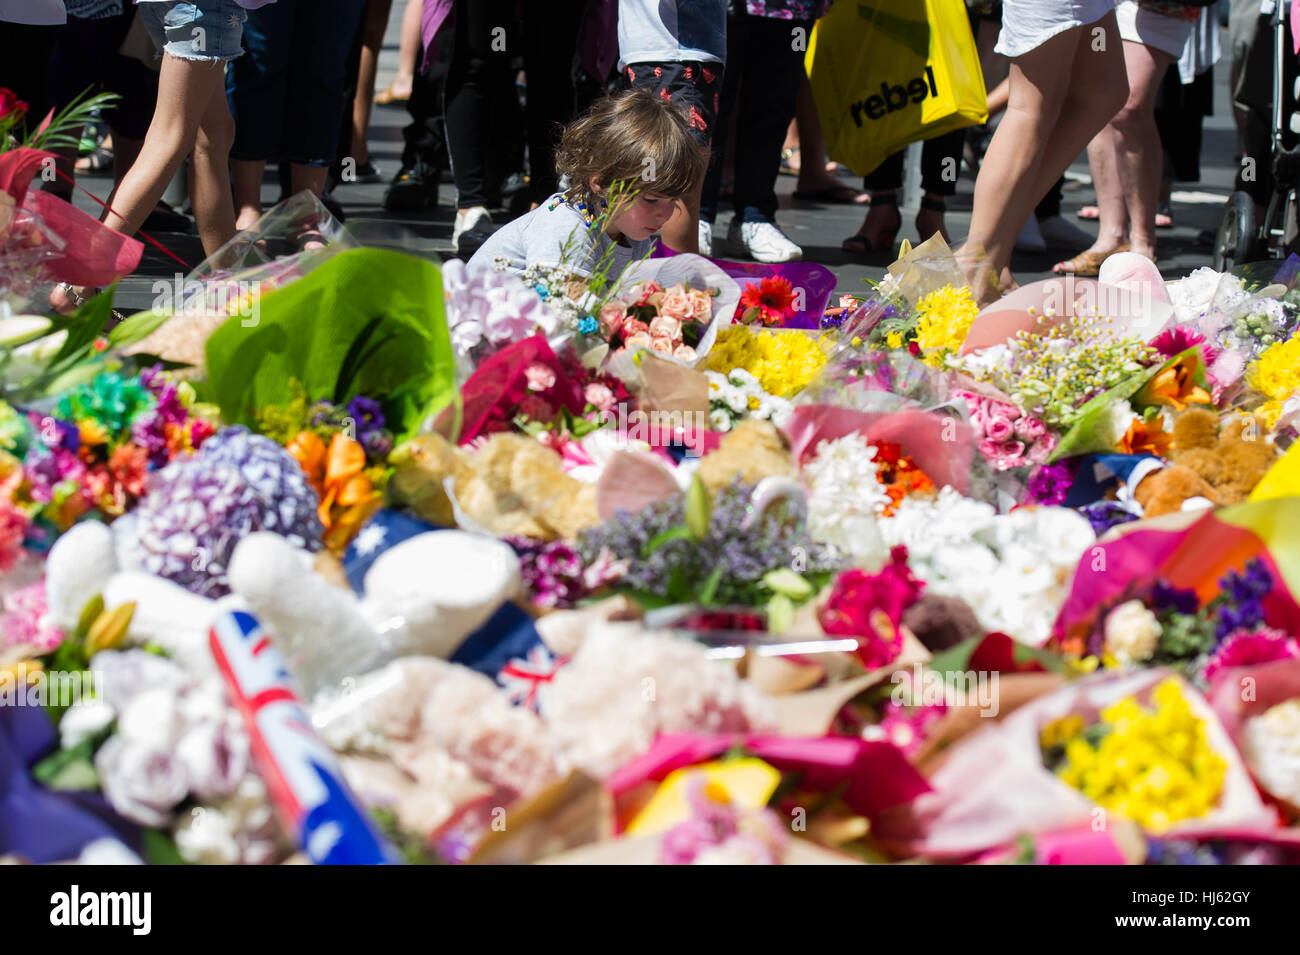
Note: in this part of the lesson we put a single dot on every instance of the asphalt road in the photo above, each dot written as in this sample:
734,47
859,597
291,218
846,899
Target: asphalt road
819,229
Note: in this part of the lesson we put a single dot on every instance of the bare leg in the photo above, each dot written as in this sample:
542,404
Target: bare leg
376,20
407,47
1137,142
185,91
246,174
214,213
310,179
1051,115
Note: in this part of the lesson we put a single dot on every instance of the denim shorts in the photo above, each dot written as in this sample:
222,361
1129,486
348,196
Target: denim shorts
208,30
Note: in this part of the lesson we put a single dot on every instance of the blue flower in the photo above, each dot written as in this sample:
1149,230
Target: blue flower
588,325
542,290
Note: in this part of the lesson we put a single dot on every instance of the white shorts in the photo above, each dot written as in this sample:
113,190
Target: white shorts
1028,24
1140,25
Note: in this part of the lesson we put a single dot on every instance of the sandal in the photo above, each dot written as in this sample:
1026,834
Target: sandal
933,205
311,238
1164,216
390,98
1087,264
1089,212
100,159
839,195
78,301
860,243
788,168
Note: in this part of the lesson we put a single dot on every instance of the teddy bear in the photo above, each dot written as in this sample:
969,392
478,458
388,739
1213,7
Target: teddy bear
424,595
1218,460
512,484
750,452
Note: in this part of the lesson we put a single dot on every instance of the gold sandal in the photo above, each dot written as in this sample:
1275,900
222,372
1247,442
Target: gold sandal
1088,264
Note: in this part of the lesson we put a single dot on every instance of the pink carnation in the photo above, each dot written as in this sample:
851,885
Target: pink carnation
1249,647
540,377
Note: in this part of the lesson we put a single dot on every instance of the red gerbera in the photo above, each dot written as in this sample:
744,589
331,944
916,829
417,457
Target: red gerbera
770,301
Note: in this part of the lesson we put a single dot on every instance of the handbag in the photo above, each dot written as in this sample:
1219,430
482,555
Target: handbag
886,73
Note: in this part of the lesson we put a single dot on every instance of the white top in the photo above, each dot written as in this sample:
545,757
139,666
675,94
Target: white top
671,31
41,13
538,238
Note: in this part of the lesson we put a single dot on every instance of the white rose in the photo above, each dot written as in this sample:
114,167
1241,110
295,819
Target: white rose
140,783
214,758
151,719
1132,632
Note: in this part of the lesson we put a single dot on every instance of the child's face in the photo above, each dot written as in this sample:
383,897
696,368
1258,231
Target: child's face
643,216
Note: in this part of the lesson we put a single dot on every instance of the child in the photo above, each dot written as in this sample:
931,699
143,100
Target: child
634,146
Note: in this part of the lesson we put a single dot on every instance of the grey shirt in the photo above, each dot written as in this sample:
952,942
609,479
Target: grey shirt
538,238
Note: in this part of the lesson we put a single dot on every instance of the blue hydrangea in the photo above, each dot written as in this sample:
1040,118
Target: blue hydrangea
588,325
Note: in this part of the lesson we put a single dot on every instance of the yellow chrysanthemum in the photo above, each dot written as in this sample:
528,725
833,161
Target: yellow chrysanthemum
782,361
1276,374
1155,766
945,319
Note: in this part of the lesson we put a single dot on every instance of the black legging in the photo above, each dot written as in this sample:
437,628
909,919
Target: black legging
761,86
480,91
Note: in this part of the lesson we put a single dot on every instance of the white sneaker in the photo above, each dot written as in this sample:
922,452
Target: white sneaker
467,219
1030,239
706,239
1060,233
762,242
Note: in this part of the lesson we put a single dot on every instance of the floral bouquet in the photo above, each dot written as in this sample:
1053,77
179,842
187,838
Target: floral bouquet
1144,746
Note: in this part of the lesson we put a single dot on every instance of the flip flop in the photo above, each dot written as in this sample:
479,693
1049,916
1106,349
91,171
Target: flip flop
389,98
839,195
1089,212
1088,264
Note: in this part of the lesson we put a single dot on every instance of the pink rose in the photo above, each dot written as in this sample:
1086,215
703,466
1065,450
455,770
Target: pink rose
675,305
540,377
1030,429
701,304
598,395
634,326
998,429
1003,456
612,317
640,338
1002,409
684,353
664,327
662,345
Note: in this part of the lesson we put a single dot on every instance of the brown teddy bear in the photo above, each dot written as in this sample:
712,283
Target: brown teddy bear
1220,460
751,451
511,484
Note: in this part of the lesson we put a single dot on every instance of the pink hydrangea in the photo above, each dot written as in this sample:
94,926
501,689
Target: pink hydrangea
26,619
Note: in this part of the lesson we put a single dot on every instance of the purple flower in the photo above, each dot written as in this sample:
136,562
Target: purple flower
368,415
1048,484
1165,596
1103,515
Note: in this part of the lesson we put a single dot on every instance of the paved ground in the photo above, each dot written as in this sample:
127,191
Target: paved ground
818,229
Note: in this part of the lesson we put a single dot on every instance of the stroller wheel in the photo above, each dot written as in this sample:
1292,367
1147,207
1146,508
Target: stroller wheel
1235,242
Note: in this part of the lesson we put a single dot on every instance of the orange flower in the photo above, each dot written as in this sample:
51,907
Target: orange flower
347,497
1143,437
1175,386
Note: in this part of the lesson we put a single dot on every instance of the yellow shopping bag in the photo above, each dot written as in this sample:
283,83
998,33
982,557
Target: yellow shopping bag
886,73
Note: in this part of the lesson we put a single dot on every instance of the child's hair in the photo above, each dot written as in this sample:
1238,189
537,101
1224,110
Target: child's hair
631,142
